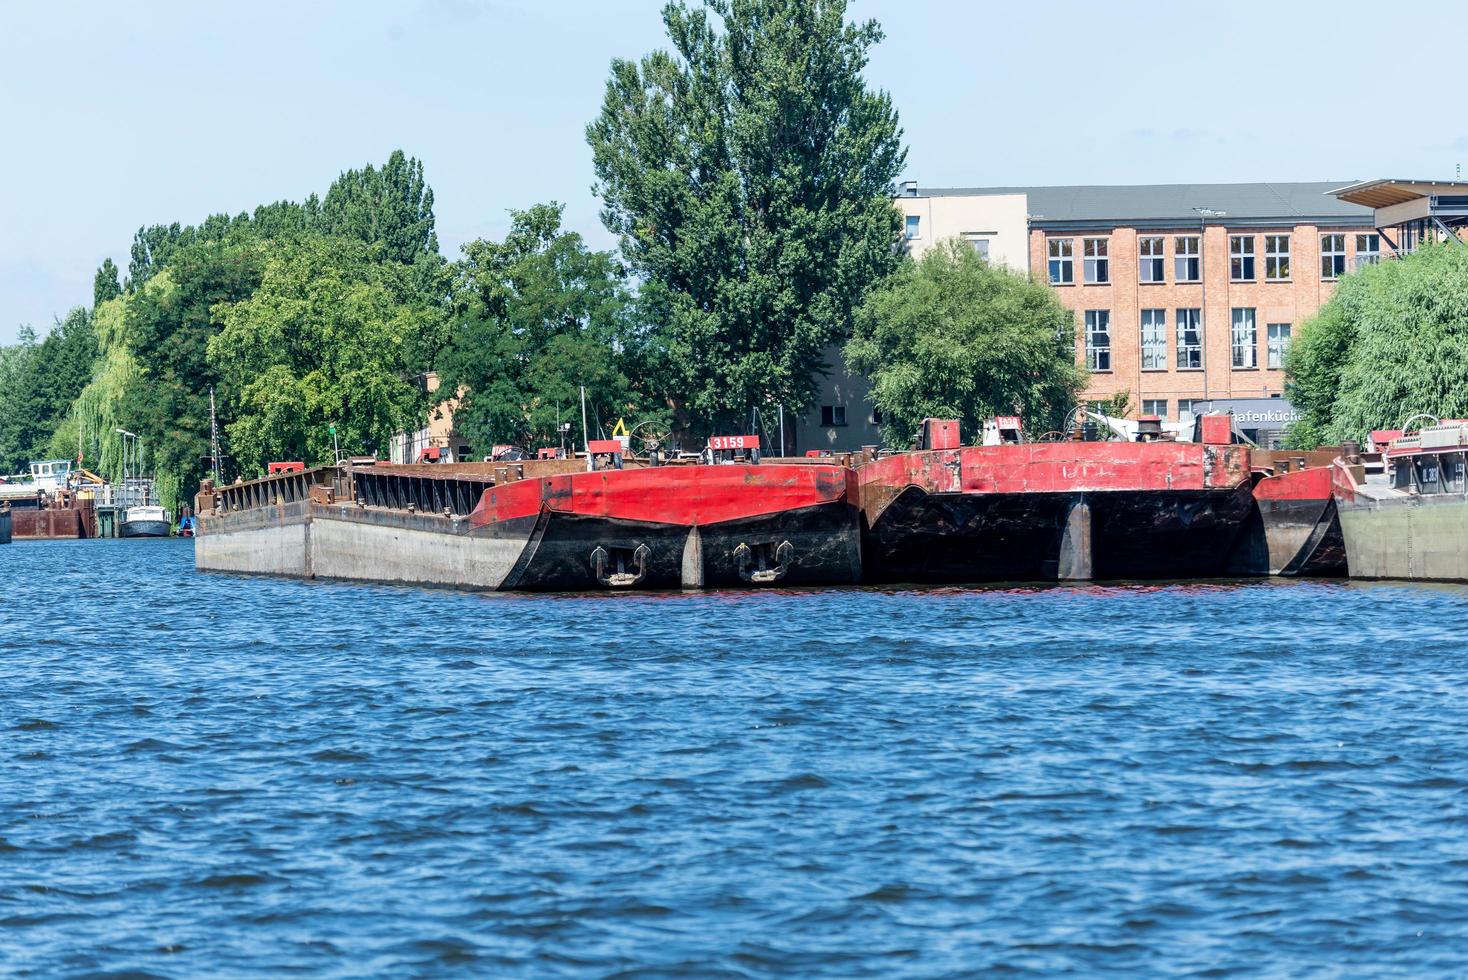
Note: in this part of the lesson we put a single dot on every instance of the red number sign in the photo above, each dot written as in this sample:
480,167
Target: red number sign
733,442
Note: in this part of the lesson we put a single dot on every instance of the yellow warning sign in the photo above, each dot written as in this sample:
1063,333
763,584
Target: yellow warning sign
620,429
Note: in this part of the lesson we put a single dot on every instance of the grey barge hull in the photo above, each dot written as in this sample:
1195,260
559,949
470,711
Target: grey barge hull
1406,538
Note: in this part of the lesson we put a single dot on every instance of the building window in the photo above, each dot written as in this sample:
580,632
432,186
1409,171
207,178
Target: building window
1154,340
1062,253
1155,406
1277,343
1189,339
1098,266
980,247
1332,256
1187,258
1190,408
1241,258
1246,338
876,416
1276,257
1151,259
833,415
1368,250
1098,340
913,228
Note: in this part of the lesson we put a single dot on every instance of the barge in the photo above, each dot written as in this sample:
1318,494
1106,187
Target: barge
46,506
1408,519
1294,529
543,525
1068,510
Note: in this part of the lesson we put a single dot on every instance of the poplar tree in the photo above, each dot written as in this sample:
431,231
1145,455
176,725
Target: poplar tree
105,285
748,174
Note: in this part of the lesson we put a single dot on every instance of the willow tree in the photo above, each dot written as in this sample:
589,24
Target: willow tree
748,174
951,335
1390,343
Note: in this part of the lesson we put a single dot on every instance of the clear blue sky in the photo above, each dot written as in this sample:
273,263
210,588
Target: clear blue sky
118,115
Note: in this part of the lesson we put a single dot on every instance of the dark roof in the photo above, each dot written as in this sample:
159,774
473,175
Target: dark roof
1171,204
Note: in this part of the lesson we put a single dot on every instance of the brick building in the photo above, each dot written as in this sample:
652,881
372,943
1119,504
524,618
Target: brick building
1183,293
1187,294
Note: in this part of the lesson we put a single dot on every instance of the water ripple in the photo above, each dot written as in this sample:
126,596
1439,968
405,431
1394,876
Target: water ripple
218,776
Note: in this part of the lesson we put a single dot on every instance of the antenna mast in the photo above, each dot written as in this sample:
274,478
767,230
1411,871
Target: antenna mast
213,438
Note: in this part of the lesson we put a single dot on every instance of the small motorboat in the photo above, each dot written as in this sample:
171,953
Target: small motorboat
146,522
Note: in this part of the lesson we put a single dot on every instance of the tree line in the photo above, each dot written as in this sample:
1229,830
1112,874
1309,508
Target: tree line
747,173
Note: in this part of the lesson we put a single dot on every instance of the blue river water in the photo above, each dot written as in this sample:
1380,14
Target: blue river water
215,776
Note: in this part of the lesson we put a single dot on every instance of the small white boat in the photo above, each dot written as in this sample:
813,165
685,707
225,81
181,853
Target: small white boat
146,522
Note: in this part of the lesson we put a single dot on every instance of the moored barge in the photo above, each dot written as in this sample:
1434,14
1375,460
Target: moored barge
1069,510
1294,529
541,525
1410,519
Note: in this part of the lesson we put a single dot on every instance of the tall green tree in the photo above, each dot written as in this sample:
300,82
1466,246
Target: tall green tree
952,336
105,285
39,379
332,336
391,206
748,174
540,314
167,329
1392,341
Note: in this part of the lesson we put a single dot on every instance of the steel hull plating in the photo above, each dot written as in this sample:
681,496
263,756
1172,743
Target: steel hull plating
146,529
1294,529
1049,511
1422,537
811,546
953,537
310,540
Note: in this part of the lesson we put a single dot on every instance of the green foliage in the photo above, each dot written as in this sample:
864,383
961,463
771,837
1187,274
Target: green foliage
38,381
748,176
105,284
392,207
953,336
157,369
1313,369
167,328
332,335
1117,406
1391,342
540,314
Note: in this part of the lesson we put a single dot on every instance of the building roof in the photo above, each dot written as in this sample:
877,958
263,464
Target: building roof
1387,191
1159,205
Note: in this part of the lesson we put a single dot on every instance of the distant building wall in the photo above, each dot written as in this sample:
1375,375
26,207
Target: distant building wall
439,433
1230,308
844,419
996,225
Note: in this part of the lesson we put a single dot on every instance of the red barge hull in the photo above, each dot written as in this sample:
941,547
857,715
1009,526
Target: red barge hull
1054,511
509,529
679,527
1295,529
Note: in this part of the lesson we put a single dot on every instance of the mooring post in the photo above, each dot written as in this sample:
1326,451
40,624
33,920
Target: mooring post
693,560
1075,543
